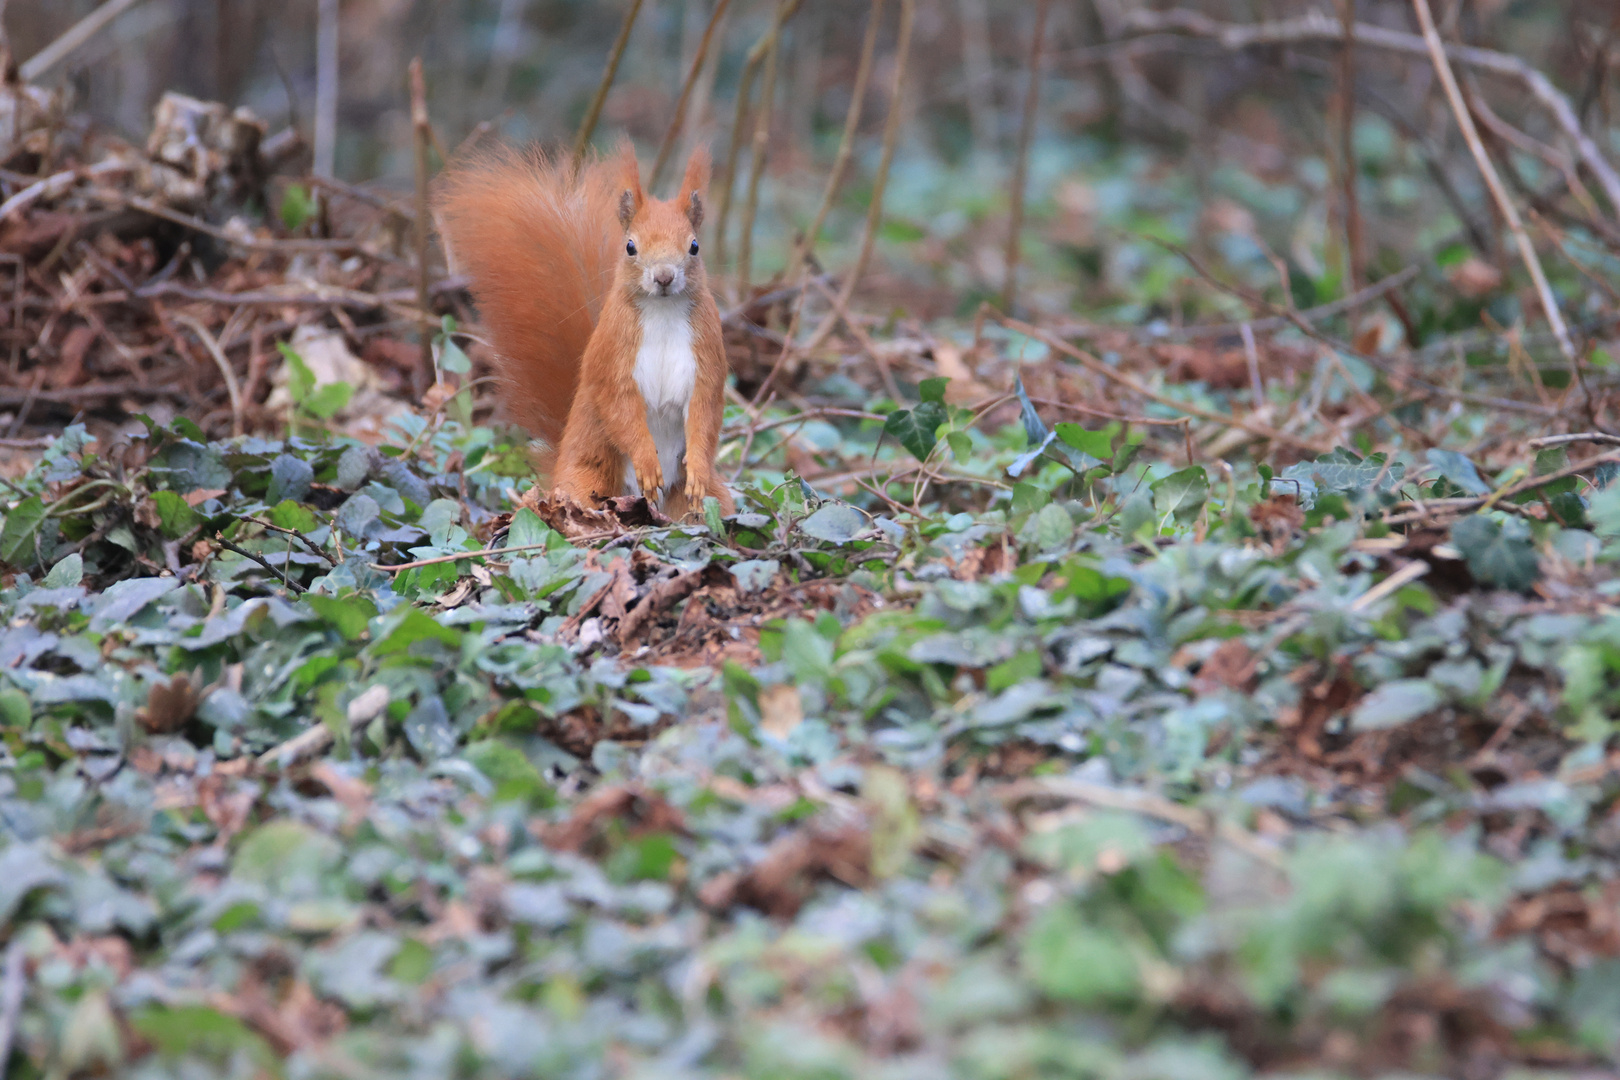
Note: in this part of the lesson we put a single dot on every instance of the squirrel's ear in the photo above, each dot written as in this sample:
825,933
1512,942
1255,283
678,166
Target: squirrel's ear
630,176
695,184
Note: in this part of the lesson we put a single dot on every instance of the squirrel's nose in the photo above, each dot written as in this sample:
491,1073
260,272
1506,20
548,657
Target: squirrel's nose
664,276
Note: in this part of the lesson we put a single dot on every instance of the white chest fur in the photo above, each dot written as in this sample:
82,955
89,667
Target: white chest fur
666,372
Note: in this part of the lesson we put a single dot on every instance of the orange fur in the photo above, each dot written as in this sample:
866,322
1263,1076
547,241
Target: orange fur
563,304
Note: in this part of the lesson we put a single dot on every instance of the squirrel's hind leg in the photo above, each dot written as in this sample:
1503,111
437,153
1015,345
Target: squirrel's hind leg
585,478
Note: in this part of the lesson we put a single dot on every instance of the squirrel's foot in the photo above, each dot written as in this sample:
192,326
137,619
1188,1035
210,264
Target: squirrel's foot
650,478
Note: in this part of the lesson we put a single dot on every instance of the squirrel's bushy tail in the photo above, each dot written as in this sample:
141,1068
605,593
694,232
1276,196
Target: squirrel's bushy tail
539,240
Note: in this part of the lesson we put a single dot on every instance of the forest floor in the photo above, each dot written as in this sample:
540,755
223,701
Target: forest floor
1220,687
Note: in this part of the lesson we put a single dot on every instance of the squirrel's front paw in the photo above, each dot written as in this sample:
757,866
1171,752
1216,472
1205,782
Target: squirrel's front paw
697,486
650,477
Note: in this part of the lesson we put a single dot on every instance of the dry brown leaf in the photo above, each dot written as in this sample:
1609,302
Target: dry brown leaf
169,706
781,709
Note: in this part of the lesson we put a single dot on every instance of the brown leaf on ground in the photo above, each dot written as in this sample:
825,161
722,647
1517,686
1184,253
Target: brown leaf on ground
1277,519
781,881
666,591
781,709
354,795
275,1002
169,706
1231,666
1319,702
964,387
637,809
611,518
1577,926
1475,278
69,367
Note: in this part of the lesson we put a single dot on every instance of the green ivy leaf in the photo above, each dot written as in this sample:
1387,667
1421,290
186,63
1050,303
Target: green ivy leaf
296,206
916,429
932,389
325,402
175,515
348,615
1181,494
1095,444
1499,556
66,573
300,380
22,525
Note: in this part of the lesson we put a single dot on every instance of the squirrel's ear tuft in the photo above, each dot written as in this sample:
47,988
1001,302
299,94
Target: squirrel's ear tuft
695,184
630,178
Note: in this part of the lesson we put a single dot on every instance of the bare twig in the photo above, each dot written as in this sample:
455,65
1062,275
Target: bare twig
1347,146
1465,122
326,87
846,142
312,545
1477,502
219,538
1252,355
874,214
1600,438
232,388
58,50
1390,585
588,126
676,121
422,132
745,87
1141,802
240,239
1026,135
1097,367
53,185
1316,26
762,138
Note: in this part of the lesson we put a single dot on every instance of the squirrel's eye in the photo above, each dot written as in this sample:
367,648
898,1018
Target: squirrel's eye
630,248
693,249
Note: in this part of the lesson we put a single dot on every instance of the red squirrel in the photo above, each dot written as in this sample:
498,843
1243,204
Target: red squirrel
606,338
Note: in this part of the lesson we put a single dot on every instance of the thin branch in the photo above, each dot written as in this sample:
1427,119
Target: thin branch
1319,27
675,123
1097,367
1347,145
75,36
422,135
846,142
326,87
745,87
232,388
874,213
762,138
219,538
588,126
1465,122
1026,135
1601,438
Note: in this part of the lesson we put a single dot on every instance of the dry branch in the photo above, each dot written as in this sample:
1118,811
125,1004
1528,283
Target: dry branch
592,113
762,138
1504,203
846,142
1317,27
676,121
874,214
1026,135
75,36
